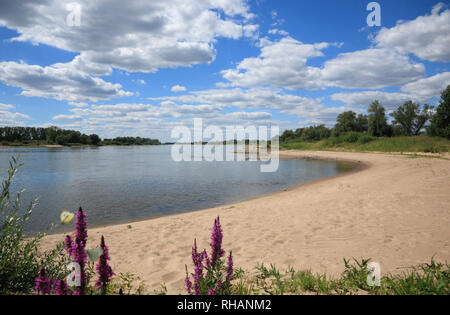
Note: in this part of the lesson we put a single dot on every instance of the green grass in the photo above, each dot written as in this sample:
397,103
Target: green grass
365,143
425,279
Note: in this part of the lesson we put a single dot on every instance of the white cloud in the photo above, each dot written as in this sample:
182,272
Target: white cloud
78,104
428,87
9,118
178,88
427,36
389,100
58,82
371,69
141,36
281,63
67,117
276,31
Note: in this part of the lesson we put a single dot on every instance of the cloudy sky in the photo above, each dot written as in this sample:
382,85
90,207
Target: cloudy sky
140,68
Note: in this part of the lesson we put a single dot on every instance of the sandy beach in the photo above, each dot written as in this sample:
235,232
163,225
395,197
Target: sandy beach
394,209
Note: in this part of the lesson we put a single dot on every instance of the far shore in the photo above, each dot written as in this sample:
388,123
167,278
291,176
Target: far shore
394,209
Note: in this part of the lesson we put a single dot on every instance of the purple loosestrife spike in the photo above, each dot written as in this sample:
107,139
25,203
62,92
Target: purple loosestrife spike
103,268
229,267
61,287
216,243
68,245
198,268
188,283
42,283
79,249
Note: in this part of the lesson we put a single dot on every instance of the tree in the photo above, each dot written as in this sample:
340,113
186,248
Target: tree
377,121
287,135
440,122
94,139
346,122
362,123
316,133
411,118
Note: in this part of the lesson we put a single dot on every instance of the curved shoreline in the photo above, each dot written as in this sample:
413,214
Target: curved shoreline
396,212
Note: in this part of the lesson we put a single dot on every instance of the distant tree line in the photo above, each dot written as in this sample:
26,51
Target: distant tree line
50,135
131,141
55,135
410,119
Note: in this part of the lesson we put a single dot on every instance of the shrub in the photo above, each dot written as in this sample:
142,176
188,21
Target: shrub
351,137
20,258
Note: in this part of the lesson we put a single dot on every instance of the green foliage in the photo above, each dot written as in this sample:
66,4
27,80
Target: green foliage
20,257
411,118
440,122
315,133
377,121
432,278
130,141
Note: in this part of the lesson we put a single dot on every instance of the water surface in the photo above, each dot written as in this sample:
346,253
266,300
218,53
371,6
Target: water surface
121,184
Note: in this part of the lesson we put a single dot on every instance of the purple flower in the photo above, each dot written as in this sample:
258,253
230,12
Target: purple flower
211,292
103,268
197,259
78,248
68,245
61,287
216,243
42,283
188,283
229,267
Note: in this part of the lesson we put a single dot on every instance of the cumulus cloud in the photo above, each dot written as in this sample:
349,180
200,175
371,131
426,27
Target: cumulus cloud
281,63
428,87
9,118
371,69
67,117
389,100
284,64
58,82
141,36
178,88
427,36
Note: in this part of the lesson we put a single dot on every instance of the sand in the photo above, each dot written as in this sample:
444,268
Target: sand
395,209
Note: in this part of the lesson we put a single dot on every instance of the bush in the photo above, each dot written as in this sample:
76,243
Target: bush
351,137
20,257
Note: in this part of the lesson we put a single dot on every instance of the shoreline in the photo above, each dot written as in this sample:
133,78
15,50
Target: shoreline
311,226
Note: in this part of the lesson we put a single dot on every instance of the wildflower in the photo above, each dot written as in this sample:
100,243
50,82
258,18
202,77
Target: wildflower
42,283
197,259
188,283
68,245
216,243
229,268
61,287
211,292
103,268
78,249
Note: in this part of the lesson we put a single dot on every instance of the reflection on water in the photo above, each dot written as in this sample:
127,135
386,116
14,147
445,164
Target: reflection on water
120,184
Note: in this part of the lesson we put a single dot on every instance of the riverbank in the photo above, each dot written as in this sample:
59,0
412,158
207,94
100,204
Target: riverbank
395,211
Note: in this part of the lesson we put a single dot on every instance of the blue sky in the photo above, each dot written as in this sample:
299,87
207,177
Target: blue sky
140,69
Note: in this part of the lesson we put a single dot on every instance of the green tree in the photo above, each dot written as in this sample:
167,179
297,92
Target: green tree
287,135
377,121
411,118
440,122
362,123
346,122
94,139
